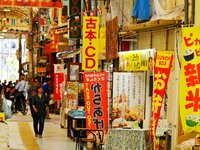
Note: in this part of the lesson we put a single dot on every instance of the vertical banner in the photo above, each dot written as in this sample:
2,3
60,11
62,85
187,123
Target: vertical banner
59,81
72,95
96,100
128,99
102,46
189,96
90,48
112,39
163,63
75,19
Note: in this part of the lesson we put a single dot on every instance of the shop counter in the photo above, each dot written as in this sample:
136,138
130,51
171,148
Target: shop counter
128,139
80,122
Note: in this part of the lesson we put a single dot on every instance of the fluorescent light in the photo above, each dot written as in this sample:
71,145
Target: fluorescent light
4,30
6,9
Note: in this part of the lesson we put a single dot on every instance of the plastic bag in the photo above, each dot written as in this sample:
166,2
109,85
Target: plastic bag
7,109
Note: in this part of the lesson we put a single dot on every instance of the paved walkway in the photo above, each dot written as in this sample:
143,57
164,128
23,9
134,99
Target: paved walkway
21,134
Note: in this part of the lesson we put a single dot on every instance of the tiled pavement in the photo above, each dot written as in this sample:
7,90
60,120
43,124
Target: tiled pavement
21,135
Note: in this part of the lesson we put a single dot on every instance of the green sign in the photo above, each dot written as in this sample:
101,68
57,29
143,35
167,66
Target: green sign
75,19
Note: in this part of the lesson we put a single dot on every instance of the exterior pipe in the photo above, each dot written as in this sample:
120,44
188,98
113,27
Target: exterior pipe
193,12
186,11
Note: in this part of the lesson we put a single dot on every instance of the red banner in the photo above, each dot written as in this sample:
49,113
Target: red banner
33,3
163,63
96,100
59,81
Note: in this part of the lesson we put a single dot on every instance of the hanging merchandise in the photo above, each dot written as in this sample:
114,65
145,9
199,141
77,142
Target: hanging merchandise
141,10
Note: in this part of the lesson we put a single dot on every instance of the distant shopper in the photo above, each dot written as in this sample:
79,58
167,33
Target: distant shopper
21,88
31,92
46,91
39,104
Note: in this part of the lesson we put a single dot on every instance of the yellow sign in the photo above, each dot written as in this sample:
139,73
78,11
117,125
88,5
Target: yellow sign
90,49
102,50
163,59
189,93
138,60
2,116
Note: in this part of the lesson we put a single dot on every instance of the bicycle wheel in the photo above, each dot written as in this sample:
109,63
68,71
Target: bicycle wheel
24,109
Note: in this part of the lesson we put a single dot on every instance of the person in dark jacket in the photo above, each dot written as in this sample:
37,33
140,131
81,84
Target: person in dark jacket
39,104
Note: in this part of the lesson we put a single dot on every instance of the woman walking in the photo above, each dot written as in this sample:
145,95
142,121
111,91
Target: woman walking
39,104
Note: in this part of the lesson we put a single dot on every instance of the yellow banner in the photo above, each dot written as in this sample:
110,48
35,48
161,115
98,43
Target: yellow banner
137,60
102,50
90,49
189,94
163,57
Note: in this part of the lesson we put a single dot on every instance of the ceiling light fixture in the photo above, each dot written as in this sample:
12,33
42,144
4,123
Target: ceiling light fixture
7,10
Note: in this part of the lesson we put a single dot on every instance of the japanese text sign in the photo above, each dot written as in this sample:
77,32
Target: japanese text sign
128,99
33,3
90,54
96,100
163,63
59,81
75,19
189,94
136,60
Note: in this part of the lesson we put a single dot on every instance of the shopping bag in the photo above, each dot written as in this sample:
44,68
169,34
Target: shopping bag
7,109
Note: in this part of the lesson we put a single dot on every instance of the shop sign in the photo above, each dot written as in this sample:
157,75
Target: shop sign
33,3
128,99
61,30
41,69
163,63
112,39
137,60
59,82
72,95
75,18
90,51
96,100
189,97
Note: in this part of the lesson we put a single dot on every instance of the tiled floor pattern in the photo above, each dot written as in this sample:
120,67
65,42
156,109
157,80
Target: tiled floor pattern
21,134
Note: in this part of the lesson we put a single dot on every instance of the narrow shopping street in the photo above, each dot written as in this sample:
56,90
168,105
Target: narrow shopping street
21,134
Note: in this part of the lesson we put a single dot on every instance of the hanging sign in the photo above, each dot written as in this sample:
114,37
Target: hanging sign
33,3
72,95
59,82
137,60
96,100
128,99
189,97
102,46
90,51
75,19
163,63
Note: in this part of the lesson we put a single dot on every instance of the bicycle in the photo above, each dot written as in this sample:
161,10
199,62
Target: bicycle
23,107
